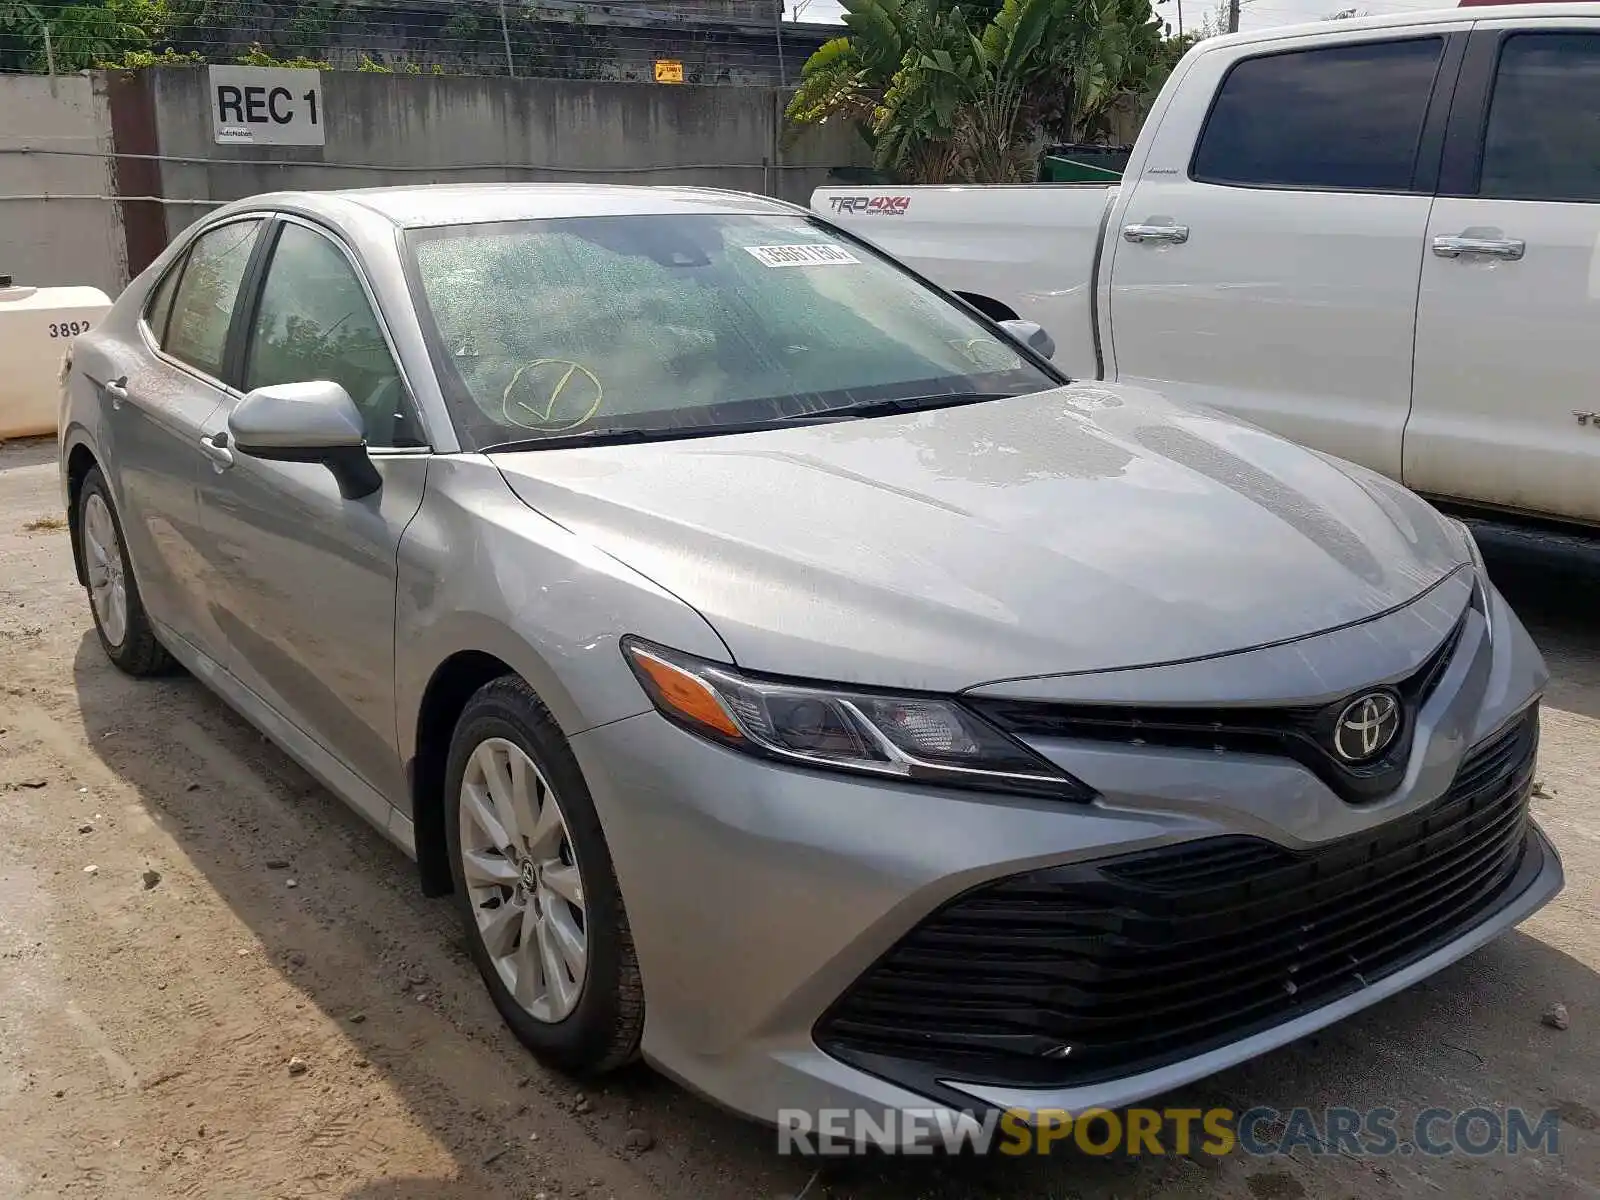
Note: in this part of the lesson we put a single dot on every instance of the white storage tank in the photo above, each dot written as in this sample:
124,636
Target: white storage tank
36,326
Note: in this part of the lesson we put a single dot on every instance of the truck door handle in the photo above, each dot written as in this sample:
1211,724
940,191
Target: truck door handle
1174,235
117,389
216,449
1509,249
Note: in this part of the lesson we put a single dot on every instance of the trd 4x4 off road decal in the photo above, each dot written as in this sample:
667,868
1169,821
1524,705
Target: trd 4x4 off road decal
893,206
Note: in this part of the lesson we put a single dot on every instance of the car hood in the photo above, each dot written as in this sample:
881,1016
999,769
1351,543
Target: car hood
1079,529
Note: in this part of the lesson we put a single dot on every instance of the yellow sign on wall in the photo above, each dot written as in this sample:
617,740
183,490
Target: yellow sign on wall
669,70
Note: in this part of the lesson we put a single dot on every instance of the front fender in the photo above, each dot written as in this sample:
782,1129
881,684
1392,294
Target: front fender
481,571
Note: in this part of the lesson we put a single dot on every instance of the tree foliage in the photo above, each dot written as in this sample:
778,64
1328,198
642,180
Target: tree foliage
154,32
79,35
259,56
953,91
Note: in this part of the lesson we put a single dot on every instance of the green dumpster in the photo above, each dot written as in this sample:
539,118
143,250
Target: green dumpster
1078,163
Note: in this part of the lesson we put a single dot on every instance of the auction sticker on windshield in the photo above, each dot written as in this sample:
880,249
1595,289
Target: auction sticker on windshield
817,254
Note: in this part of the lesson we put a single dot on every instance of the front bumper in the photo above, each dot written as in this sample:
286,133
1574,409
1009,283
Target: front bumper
758,894
1544,880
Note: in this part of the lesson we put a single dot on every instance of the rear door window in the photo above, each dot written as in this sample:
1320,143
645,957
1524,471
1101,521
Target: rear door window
202,308
1338,118
1543,137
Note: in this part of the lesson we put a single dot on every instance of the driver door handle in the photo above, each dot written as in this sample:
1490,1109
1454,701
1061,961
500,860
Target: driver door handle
1174,235
117,389
216,449
1509,249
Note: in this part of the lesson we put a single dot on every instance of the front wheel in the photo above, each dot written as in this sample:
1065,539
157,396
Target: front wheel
119,616
535,886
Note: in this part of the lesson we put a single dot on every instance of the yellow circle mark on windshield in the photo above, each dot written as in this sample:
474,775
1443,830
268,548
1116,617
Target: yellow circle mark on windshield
562,395
987,354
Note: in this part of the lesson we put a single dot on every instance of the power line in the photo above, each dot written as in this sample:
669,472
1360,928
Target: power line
407,168
568,12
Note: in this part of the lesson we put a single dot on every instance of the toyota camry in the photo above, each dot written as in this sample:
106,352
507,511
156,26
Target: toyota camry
789,676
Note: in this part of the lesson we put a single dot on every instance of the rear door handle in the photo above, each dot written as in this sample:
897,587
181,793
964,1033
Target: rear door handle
1510,249
117,389
1174,235
216,449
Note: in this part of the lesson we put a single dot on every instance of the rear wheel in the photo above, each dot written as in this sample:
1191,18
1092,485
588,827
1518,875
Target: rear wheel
535,887
119,616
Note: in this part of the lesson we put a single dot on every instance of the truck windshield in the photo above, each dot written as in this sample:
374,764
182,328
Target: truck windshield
700,323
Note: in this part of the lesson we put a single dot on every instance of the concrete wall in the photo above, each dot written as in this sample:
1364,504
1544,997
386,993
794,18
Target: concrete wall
74,238
397,129
381,130
564,39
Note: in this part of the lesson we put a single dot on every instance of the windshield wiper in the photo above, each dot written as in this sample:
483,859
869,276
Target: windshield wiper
902,404
628,434
593,437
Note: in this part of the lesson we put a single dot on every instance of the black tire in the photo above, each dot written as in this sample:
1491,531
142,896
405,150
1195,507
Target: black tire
602,1031
138,653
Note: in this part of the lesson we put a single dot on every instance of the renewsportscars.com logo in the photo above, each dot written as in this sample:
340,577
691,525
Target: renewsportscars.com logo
1259,1132
889,206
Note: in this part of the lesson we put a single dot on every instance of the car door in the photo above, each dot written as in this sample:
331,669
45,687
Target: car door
158,398
1507,366
1266,260
307,578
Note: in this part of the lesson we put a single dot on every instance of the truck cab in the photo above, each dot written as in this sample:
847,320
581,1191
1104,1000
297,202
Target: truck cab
1378,237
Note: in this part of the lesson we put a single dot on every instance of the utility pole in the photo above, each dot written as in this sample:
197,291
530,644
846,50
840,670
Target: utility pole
1180,17
1233,16
777,29
505,36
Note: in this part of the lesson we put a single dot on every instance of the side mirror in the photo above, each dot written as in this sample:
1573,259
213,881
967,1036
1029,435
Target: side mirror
307,422
1032,336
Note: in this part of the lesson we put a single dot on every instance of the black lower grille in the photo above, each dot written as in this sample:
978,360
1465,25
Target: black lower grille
1102,969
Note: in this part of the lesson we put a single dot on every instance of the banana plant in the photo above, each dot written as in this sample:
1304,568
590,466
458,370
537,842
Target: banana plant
963,91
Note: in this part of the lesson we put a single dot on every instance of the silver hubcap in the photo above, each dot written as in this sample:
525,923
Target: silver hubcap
107,588
523,879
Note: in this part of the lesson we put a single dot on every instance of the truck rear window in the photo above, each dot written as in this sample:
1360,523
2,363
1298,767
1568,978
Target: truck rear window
1543,141
1337,118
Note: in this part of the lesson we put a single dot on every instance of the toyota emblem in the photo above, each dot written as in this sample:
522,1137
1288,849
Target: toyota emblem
1366,727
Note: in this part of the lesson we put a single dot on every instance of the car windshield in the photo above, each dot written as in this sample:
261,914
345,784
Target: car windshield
693,324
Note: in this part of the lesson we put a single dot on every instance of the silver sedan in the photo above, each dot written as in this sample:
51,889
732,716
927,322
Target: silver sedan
787,673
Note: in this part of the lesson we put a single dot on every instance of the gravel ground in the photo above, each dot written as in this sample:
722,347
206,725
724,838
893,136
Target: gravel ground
215,981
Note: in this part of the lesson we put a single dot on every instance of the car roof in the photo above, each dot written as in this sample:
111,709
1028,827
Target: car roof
477,203
1521,10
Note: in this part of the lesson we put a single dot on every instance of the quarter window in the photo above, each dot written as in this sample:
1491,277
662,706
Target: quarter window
155,313
1543,137
1340,118
203,305
314,322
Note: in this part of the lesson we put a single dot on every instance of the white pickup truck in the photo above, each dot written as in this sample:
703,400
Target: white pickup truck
1378,237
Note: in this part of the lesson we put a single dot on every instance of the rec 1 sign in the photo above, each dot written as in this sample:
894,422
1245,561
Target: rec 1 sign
267,106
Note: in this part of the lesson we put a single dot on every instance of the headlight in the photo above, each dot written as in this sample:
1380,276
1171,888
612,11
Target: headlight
1469,541
926,738
1482,589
